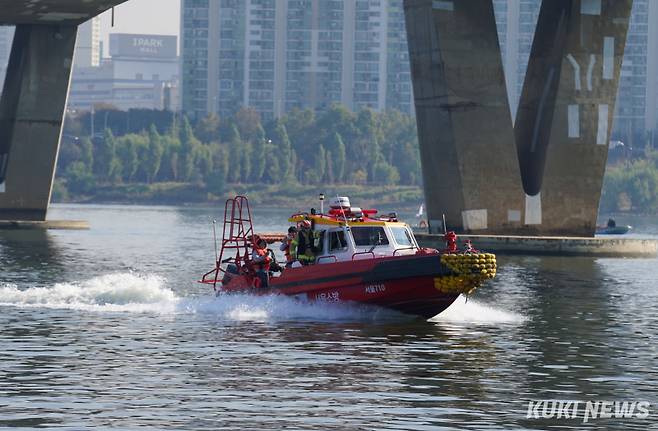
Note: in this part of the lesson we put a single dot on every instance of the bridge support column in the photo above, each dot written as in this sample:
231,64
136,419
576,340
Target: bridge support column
544,176
470,168
565,116
31,116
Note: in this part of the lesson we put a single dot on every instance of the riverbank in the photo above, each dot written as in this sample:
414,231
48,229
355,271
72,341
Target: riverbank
259,194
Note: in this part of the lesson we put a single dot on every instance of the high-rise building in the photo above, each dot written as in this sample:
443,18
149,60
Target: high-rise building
516,20
275,55
88,46
637,108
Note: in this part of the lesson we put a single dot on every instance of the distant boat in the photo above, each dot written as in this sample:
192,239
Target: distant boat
612,230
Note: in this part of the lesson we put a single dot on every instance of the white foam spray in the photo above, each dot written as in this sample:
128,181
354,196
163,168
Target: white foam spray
133,293
474,312
247,307
112,292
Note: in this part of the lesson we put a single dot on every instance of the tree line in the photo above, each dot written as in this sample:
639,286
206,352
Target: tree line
331,147
632,184
334,147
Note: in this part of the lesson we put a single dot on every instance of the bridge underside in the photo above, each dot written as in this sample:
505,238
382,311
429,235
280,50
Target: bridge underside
34,96
544,175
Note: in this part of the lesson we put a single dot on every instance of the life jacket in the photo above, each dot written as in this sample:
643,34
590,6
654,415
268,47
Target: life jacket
290,249
305,245
264,265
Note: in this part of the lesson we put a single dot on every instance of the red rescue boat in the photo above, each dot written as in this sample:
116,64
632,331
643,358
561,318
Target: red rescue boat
358,257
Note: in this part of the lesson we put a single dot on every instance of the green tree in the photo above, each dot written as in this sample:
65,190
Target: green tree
339,158
282,143
272,174
644,186
220,161
258,155
234,155
614,186
188,150
79,179
302,132
215,179
245,160
169,165
320,165
207,129
87,153
385,173
204,161
329,171
247,120
336,119
127,155
105,162
154,155
406,158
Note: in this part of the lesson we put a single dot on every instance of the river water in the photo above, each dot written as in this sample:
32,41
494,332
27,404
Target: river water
107,329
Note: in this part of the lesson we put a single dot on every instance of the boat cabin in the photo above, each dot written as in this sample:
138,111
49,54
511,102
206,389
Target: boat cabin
349,233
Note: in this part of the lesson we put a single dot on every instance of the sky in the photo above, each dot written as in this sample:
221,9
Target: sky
142,16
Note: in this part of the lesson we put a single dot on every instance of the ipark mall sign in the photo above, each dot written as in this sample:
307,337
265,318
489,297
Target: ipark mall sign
143,45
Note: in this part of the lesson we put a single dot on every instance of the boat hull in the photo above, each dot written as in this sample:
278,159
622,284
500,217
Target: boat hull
617,230
408,284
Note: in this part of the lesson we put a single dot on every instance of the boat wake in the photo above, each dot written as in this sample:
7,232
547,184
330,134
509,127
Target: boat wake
133,293
244,307
113,292
474,312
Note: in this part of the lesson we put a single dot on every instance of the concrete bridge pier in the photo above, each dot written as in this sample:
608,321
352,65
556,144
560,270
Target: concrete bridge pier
565,115
31,116
543,175
470,168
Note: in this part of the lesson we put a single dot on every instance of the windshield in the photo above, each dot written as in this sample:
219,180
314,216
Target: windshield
369,236
337,240
402,236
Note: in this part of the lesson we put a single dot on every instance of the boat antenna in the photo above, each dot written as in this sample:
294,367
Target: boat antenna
321,203
214,233
445,228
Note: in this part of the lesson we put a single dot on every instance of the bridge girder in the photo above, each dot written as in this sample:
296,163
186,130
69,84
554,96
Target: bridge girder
48,12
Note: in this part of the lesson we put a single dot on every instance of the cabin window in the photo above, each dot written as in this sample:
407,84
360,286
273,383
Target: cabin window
402,236
337,240
369,236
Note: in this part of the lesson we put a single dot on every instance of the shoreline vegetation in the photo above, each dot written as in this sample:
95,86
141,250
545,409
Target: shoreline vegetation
158,157
280,195
155,157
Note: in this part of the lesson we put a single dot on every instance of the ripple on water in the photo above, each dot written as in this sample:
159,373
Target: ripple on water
149,348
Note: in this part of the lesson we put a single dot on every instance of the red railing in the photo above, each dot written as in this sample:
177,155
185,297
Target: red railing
363,253
237,235
395,253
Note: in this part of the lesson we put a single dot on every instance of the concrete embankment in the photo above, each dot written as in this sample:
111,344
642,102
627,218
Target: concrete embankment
562,246
44,225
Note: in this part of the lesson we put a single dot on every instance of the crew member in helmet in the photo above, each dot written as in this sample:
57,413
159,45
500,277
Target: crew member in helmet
305,244
289,246
261,260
